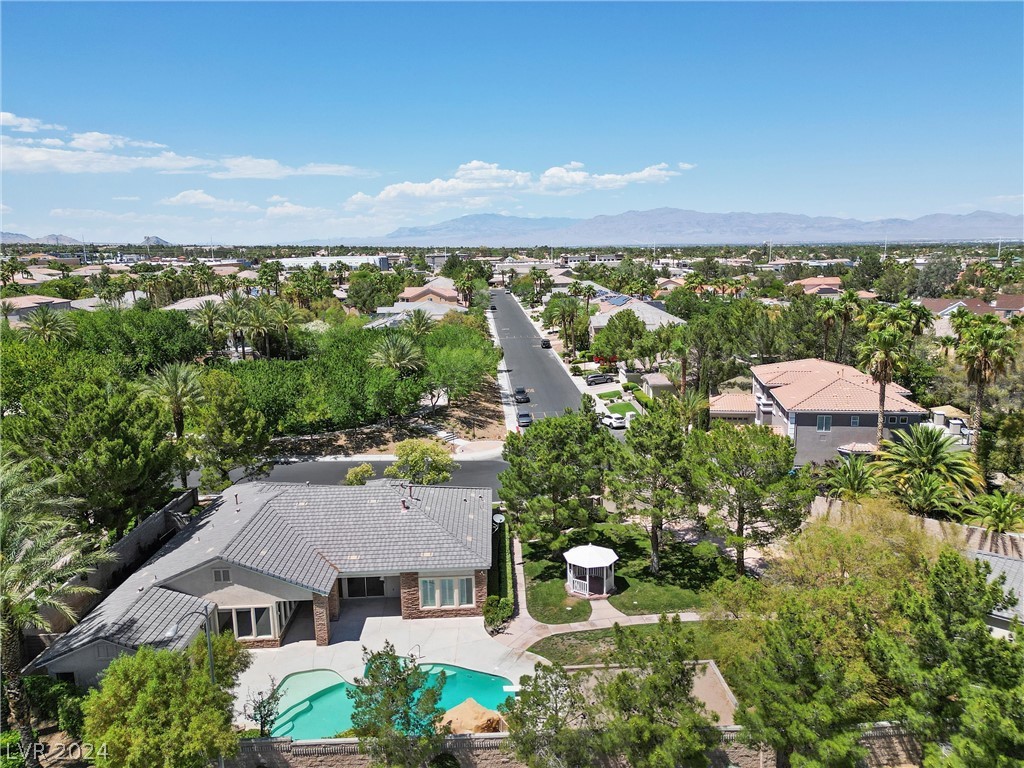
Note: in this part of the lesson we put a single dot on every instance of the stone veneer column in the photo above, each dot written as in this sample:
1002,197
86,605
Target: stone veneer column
334,600
321,622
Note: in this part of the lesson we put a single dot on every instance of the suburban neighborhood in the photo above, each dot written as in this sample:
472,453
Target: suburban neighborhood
512,385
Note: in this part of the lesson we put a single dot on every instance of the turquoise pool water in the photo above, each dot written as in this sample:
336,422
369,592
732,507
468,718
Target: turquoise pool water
315,705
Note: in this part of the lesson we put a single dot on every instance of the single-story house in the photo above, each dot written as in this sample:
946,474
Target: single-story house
943,309
1013,569
656,385
194,302
440,289
820,286
734,407
399,312
23,306
266,551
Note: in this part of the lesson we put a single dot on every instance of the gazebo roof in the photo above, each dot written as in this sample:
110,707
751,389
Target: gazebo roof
590,556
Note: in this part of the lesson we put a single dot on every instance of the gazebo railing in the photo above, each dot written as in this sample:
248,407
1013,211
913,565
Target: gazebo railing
580,586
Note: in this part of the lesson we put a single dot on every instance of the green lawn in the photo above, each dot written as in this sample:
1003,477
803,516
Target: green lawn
610,395
594,646
686,570
622,408
546,598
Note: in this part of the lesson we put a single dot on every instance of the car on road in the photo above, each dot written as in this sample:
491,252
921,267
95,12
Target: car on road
545,343
614,420
524,419
599,378
493,307
508,292
520,395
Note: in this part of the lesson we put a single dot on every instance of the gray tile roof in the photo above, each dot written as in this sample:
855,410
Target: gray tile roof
1013,569
306,535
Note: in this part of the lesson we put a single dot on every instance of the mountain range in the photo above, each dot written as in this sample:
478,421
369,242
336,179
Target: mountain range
663,226
674,226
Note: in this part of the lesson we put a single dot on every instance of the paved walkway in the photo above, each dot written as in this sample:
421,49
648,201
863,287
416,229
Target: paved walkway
524,630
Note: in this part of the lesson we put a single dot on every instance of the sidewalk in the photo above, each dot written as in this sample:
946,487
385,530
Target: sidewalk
524,630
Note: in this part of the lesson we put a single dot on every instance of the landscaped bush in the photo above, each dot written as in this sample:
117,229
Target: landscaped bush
10,750
575,370
70,717
445,760
497,610
632,386
249,733
643,399
46,694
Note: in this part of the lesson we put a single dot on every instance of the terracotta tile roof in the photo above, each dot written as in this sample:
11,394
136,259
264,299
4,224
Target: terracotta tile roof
733,402
819,386
816,281
862,448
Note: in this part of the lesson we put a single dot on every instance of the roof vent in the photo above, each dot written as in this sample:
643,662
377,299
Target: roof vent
405,507
236,500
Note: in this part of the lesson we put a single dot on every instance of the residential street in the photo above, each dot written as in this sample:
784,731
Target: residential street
549,385
550,388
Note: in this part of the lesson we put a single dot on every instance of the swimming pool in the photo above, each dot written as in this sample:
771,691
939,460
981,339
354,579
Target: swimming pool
315,704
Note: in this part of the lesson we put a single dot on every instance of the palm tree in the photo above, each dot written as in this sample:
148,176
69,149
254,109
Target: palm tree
208,316
6,310
851,479
927,495
49,325
827,313
41,553
465,288
398,352
947,344
419,323
588,293
286,317
883,353
177,387
924,450
258,325
986,349
997,512
693,406
849,307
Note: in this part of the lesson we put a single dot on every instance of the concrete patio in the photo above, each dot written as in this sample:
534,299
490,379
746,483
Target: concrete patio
370,622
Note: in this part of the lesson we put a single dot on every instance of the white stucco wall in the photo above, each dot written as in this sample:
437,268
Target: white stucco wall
247,588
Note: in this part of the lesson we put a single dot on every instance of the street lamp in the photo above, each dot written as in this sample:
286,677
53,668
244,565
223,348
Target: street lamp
173,632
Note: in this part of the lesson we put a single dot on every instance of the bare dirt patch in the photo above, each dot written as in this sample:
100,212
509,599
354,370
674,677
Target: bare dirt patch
478,417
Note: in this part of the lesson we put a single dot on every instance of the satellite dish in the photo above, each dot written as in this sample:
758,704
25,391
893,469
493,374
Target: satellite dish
498,518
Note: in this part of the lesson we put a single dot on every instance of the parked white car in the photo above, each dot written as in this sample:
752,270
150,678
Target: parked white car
614,420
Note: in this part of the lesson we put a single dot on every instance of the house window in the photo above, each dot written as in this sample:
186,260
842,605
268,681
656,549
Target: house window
246,622
107,651
892,419
824,423
903,419
855,421
365,586
447,592
221,576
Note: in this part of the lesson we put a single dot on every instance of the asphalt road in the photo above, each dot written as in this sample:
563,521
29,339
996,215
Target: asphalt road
549,385
550,388
470,474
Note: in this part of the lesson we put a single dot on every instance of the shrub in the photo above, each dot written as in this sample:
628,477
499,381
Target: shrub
46,693
70,717
632,386
359,474
497,610
249,733
643,399
575,370
10,750
615,393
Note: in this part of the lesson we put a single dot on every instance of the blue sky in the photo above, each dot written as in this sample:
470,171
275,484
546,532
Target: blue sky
265,122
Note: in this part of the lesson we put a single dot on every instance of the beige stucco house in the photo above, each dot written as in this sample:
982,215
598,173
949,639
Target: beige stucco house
267,551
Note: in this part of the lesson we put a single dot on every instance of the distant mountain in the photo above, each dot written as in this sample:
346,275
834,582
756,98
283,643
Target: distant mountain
154,240
674,226
15,238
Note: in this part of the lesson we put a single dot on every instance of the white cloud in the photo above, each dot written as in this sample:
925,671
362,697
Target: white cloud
248,167
26,124
277,199
687,166
95,141
19,156
291,210
5,208
475,183
198,197
571,178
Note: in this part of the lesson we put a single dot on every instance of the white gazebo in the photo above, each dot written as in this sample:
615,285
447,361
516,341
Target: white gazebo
590,570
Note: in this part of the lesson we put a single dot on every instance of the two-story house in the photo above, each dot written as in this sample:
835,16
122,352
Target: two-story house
826,409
